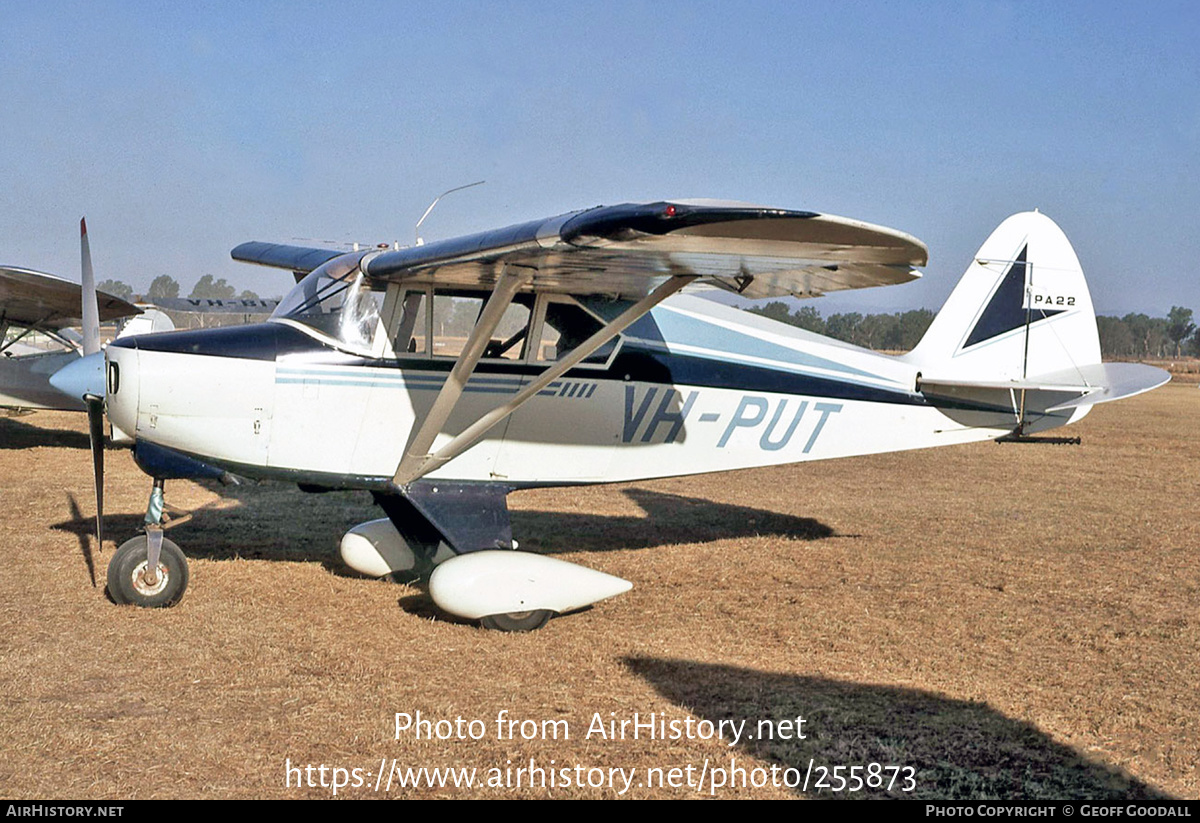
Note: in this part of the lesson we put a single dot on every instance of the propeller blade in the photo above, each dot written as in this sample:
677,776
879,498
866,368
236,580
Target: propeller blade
91,309
95,410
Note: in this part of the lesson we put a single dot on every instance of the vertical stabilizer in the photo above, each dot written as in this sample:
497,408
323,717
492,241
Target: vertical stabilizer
1021,309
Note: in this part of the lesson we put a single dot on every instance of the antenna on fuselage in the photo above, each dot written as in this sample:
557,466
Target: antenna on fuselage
417,230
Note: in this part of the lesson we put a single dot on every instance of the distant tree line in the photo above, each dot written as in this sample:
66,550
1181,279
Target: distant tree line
1138,337
165,286
1132,337
885,332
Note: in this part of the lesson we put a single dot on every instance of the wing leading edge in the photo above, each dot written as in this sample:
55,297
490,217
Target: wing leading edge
300,259
33,298
630,249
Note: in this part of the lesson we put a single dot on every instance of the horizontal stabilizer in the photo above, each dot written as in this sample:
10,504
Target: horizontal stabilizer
1094,383
1120,380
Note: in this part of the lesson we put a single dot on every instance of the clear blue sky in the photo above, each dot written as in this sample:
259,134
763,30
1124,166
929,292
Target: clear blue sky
183,129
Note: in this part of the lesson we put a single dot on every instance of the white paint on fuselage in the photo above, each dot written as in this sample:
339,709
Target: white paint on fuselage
220,407
356,421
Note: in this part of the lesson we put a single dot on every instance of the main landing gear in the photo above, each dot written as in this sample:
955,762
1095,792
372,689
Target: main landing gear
517,621
458,537
149,570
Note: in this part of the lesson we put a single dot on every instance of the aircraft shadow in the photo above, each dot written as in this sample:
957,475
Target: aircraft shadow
960,749
669,519
17,435
84,529
250,529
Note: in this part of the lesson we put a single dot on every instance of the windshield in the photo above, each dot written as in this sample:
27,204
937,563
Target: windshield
336,299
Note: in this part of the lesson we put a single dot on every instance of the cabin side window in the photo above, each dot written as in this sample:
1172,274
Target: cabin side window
437,323
564,325
412,335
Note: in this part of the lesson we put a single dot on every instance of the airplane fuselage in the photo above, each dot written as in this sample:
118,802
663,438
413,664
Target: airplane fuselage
694,387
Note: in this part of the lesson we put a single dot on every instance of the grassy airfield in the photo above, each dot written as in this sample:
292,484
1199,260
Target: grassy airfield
1006,620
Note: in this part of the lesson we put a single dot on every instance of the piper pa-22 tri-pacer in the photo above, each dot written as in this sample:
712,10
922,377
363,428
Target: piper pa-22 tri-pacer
444,376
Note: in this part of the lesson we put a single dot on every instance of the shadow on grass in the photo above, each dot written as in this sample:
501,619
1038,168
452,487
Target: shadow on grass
669,519
15,434
78,526
960,749
269,522
277,522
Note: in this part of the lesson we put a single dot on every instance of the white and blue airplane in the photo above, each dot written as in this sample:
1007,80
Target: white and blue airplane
568,351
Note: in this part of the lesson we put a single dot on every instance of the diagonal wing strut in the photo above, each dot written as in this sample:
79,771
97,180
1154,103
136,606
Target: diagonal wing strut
418,462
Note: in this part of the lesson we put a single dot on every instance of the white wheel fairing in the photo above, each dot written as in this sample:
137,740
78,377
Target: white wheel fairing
503,582
376,549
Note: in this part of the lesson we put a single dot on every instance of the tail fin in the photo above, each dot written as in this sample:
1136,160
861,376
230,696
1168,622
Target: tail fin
1020,325
1021,309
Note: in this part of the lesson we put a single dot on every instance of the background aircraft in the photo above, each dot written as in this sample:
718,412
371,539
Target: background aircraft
580,362
37,313
45,363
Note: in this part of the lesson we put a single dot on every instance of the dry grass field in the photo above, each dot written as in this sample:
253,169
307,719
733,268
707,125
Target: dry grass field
1006,620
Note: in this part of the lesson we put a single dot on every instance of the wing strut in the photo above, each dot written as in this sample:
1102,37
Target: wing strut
416,465
418,448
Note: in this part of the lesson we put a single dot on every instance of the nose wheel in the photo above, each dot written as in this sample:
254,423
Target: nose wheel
136,578
149,570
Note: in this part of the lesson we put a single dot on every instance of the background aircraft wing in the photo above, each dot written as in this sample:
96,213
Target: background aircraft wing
627,250
32,298
297,259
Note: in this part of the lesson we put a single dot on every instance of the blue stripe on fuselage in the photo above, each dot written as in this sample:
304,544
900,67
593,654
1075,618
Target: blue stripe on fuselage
679,329
298,354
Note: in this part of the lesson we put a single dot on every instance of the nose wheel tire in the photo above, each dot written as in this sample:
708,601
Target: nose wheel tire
131,583
517,621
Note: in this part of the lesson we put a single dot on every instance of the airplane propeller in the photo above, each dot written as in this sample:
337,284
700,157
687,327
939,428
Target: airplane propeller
91,307
95,412
91,348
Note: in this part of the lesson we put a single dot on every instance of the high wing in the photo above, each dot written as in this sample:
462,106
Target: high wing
642,253
35,299
628,250
298,259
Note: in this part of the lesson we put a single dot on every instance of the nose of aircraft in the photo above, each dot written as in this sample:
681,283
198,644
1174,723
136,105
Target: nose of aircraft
122,379
81,377
208,393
